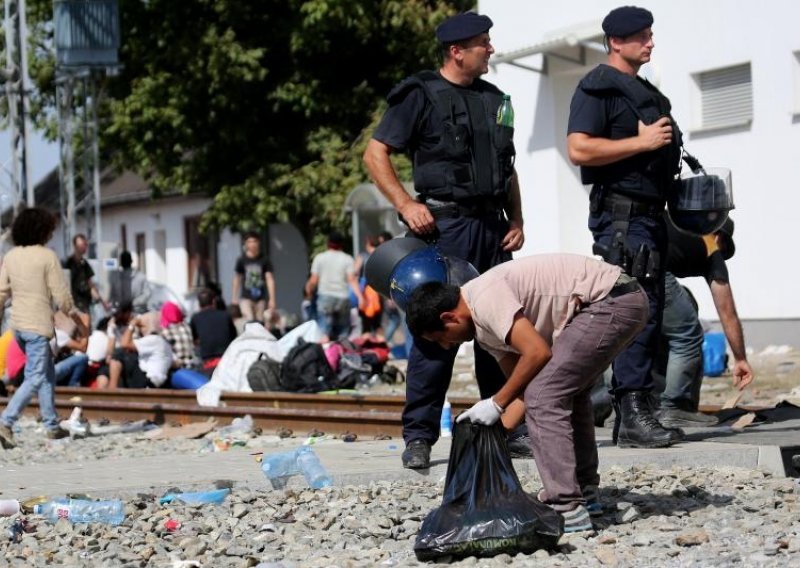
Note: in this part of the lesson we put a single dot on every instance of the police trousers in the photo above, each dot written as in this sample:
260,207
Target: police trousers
476,239
633,366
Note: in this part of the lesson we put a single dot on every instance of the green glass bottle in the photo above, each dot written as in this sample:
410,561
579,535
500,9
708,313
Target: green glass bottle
505,114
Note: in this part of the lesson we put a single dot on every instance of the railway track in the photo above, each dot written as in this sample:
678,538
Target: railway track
362,414
366,415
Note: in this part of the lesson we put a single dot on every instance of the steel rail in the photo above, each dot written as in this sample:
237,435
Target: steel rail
362,414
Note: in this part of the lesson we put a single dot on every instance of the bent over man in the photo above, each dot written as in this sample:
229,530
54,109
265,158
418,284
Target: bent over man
468,201
553,322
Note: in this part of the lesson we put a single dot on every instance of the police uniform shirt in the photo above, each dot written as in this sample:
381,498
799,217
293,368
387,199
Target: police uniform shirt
692,255
413,123
608,117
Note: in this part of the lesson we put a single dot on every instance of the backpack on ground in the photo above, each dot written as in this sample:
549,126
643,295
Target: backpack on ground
306,369
264,375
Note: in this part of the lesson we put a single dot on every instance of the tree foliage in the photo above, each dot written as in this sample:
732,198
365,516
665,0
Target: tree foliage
265,105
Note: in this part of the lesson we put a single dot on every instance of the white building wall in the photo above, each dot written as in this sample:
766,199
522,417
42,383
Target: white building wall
691,36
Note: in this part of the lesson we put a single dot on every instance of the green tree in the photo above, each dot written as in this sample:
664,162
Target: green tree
265,105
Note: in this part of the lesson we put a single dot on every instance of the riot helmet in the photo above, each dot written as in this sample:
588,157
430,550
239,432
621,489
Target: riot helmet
427,265
380,264
701,201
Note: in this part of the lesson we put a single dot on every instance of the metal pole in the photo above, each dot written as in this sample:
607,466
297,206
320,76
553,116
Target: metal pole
23,88
96,169
66,163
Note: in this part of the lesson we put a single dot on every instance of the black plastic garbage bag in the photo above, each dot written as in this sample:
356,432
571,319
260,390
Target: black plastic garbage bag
484,511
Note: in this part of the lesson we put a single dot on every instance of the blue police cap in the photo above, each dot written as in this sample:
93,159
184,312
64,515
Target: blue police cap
462,26
627,20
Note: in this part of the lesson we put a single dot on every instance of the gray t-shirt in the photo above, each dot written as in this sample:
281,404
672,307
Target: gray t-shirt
548,288
332,267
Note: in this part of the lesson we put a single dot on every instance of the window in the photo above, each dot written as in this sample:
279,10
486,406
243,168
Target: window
202,252
726,97
141,251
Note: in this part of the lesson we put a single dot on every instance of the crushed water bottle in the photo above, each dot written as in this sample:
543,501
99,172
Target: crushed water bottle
315,473
280,467
82,511
215,497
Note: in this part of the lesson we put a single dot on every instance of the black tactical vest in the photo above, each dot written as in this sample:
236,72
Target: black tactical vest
647,176
474,156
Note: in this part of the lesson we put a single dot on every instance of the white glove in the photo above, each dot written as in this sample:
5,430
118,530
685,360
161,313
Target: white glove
485,412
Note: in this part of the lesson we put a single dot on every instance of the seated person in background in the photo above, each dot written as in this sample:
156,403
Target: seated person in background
554,323
179,336
212,330
113,328
142,361
69,347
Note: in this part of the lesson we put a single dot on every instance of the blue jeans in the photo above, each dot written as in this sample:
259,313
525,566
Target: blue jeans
681,329
70,371
40,379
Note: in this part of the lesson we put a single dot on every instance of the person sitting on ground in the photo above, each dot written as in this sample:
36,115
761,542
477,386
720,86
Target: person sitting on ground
212,330
553,323
129,285
113,328
179,336
143,359
32,277
70,345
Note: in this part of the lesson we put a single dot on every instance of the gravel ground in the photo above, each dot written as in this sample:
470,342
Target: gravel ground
654,517
678,517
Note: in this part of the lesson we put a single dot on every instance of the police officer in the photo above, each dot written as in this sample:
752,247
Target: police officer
468,202
622,136
687,256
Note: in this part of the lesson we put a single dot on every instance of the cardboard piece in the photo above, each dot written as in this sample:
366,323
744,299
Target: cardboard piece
733,400
744,421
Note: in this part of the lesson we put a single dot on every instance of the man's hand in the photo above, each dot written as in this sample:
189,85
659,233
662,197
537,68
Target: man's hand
656,135
484,412
514,238
742,374
418,217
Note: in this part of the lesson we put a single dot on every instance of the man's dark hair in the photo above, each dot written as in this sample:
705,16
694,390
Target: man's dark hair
251,235
33,226
124,307
125,259
384,236
78,236
335,240
426,304
205,297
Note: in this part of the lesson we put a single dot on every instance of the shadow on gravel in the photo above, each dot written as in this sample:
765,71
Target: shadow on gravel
680,502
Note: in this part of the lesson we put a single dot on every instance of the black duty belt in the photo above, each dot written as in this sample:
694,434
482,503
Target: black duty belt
442,209
638,208
624,286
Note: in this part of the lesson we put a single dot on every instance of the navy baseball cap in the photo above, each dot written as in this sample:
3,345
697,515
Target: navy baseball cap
627,20
462,26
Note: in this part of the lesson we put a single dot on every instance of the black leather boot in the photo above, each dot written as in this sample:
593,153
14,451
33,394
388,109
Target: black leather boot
617,419
638,428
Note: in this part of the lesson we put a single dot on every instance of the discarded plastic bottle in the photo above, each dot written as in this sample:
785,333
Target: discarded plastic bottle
315,473
446,422
197,498
505,114
81,511
280,467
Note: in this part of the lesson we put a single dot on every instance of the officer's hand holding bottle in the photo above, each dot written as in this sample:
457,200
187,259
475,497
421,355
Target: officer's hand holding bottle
656,135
